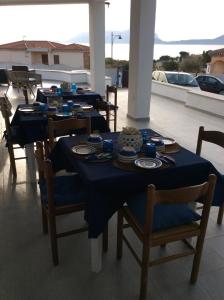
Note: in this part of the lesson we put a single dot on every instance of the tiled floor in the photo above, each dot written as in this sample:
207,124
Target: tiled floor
26,271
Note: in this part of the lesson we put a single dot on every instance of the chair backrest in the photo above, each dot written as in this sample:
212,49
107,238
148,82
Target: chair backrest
4,77
5,107
57,128
36,78
20,68
214,137
203,192
111,90
18,77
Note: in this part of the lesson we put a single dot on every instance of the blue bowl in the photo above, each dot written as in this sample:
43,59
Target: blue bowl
95,138
157,141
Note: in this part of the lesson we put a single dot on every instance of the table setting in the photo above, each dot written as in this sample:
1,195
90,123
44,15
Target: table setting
133,150
69,92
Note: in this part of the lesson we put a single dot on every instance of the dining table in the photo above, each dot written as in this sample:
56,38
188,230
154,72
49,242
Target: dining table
109,182
89,97
29,125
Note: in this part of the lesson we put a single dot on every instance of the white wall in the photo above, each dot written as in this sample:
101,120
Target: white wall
72,59
204,101
13,57
78,76
171,91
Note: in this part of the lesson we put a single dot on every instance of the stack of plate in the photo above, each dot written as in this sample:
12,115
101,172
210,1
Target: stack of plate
126,159
97,145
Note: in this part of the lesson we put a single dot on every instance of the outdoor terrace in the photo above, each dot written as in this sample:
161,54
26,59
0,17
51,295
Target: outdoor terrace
26,268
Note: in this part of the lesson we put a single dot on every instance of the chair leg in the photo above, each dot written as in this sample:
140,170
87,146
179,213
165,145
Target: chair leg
54,244
105,239
12,160
115,120
197,259
220,214
144,270
119,234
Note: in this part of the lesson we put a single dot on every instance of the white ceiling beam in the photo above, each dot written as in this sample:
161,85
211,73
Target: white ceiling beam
44,2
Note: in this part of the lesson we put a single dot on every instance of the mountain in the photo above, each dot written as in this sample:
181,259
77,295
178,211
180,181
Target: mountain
84,38
217,41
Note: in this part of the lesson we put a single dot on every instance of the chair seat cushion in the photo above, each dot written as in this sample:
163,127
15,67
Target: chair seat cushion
67,190
165,215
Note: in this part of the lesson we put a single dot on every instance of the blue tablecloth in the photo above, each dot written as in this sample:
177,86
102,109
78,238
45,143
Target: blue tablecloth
32,127
108,185
87,97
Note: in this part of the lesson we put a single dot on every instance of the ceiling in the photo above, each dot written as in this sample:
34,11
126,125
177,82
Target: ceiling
43,2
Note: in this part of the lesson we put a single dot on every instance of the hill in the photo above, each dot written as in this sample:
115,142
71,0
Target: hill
84,38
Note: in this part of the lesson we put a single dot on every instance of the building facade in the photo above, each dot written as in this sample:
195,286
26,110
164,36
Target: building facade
45,54
216,65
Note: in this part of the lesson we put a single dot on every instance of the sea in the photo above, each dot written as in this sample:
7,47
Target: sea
121,51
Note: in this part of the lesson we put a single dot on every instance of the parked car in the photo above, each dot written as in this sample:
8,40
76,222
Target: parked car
178,78
210,83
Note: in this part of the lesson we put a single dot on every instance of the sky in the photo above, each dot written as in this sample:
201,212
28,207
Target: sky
175,20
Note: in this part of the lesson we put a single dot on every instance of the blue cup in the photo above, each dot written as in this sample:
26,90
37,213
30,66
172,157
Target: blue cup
70,103
74,87
108,146
65,108
145,137
59,91
43,107
150,150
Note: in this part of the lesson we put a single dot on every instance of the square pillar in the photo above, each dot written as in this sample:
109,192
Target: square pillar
142,28
97,46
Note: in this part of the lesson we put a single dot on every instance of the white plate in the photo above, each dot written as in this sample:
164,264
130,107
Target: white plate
86,107
83,149
26,109
148,163
168,141
64,114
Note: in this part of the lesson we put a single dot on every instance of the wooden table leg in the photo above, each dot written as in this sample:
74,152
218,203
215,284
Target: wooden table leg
96,254
25,94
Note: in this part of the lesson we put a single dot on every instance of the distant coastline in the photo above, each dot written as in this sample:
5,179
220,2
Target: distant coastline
84,38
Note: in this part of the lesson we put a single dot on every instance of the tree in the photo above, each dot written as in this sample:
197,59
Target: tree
206,58
170,65
165,58
191,64
183,55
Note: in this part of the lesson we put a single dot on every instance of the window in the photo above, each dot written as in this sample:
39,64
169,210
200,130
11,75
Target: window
44,59
56,60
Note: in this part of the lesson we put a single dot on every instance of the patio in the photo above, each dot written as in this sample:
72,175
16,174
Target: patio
26,266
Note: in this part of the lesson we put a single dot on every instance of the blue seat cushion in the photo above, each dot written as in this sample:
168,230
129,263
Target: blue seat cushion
67,190
165,215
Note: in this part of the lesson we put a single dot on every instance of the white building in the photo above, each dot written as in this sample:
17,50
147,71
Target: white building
45,54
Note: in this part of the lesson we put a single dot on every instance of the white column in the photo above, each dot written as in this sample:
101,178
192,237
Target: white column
97,45
142,29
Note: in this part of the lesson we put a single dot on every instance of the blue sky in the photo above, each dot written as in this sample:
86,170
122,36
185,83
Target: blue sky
175,20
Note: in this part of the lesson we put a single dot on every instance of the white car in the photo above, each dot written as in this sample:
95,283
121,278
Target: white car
178,78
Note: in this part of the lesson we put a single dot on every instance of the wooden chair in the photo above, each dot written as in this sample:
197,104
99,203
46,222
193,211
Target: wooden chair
11,142
112,91
164,216
110,109
60,195
57,128
214,137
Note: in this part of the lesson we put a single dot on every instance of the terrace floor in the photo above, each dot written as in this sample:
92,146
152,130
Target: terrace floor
26,270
